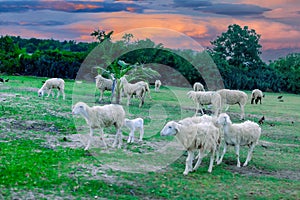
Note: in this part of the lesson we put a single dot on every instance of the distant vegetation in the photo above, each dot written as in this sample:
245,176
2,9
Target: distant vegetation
235,52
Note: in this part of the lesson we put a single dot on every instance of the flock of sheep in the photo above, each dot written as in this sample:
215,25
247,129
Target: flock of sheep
197,133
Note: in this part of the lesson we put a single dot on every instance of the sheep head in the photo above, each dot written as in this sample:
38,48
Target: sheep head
171,128
41,92
123,80
224,119
79,108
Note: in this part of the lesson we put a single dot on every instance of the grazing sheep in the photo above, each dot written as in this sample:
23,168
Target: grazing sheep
133,125
242,134
198,87
261,120
103,84
139,89
231,97
157,85
52,83
3,80
101,117
203,137
205,98
256,95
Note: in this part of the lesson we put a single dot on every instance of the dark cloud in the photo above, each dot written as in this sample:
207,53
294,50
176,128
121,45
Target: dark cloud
191,3
69,6
27,23
233,9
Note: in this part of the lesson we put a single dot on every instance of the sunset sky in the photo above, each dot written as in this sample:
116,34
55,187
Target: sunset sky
277,21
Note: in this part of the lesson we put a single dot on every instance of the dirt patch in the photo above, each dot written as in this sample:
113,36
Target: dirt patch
13,124
253,171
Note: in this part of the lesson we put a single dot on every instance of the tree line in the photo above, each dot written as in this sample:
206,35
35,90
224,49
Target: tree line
236,54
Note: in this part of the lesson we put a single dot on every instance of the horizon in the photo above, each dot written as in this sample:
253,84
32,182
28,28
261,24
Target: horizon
201,20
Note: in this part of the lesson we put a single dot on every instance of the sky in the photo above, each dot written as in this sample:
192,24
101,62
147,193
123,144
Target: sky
277,21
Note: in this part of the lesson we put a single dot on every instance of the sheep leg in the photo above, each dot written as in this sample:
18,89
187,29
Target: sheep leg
141,133
58,93
120,138
199,107
217,152
217,112
242,112
252,100
49,92
188,163
128,99
224,151
211,163
141,101
227,108
237,153
131,137
89,140
200,157
63,93
101,95
249,155
102,138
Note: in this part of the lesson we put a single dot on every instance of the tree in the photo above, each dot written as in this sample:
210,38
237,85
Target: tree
101,36
239,47
10,55
289,69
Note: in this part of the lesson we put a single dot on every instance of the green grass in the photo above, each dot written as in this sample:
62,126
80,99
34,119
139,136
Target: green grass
39,159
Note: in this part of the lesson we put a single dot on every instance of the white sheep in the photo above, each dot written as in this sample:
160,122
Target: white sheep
198,87
203,119
231,97
103,84
157,85
205,98
101,117
203,137
242,134
196,119
53,83
134,124
256,95
139,89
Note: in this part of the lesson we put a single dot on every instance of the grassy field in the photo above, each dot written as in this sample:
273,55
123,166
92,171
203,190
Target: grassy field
42,156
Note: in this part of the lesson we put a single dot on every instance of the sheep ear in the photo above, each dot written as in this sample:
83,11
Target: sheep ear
176,127
225,122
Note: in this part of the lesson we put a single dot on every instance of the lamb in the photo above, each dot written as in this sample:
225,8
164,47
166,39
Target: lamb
103,84
256,95
101,117
139,89
157,85
205,98
242,134
50,84
133,125
198,87
203,137
231,97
